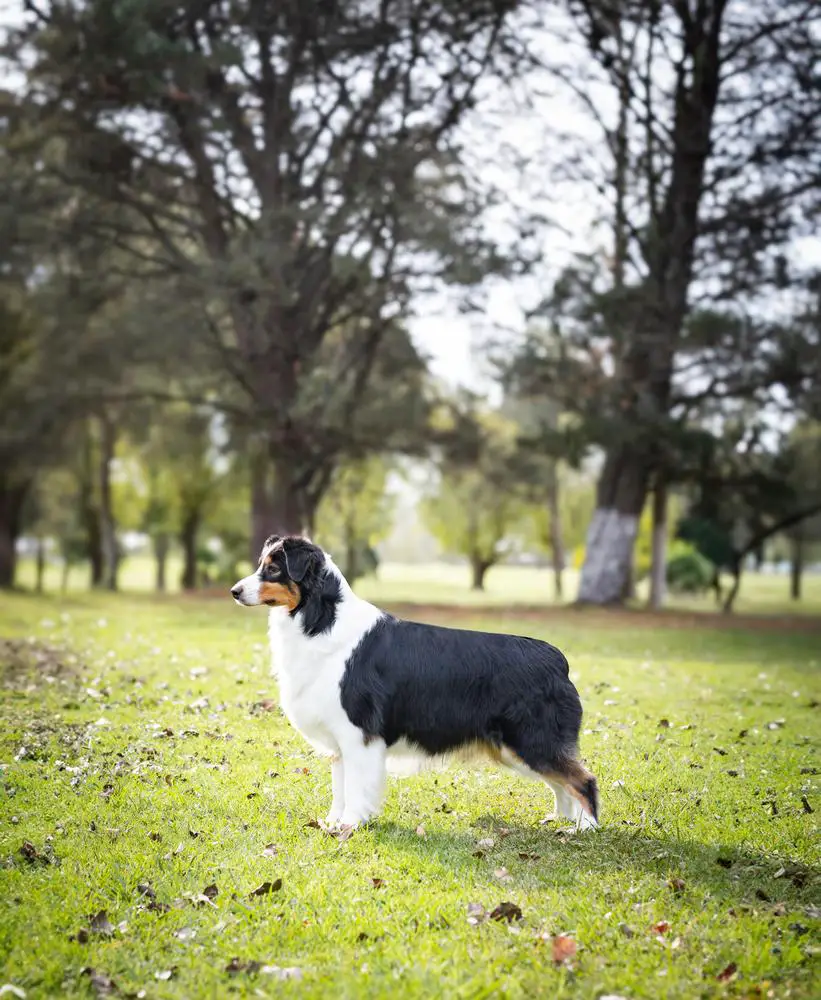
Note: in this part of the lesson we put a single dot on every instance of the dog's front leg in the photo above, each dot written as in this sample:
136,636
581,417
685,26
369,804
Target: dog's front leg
338,788
364,778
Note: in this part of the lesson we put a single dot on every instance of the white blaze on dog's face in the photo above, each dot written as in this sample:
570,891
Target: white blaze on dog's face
271,584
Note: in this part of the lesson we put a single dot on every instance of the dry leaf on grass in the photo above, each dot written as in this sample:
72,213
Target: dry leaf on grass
102,984
727,973
506,911
660,928
476,914
562,948
100,924
267,888
236,965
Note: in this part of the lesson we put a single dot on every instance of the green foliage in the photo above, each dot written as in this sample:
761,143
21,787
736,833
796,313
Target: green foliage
475,509
356,514
688,572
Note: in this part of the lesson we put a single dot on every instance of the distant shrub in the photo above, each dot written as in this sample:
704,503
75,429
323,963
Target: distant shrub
688,572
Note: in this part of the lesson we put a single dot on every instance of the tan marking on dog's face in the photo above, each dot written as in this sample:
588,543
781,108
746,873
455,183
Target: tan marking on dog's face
279,594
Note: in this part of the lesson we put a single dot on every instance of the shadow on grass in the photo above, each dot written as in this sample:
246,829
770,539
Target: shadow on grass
738,878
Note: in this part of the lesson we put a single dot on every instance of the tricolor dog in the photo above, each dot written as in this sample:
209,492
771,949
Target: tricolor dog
360,685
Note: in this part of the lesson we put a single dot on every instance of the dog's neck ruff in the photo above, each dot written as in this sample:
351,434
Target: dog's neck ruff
329,623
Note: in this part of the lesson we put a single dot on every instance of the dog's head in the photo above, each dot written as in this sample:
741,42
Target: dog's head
289,569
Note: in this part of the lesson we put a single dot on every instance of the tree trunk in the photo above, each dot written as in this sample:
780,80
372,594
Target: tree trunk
262,505
188,537
729,601
796,565
11,512
161,546
611,536
40,566
557,553
108,531
479,568
658,565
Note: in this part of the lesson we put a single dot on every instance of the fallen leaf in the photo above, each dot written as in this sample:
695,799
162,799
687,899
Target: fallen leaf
210,891
664,723
144,889
155,836
194,834
292,972
777,724
720,751
677,884
101,982
100,924
486,843
165,974
506,911
727,973
502,874
805,803
270,851
267,888
185,933
32,855
11,990
562,948
476,913
314,824
662,927
236,965
420,831
529,856
377,883
627,930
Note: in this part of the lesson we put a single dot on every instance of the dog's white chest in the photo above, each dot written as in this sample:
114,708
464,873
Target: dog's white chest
310,672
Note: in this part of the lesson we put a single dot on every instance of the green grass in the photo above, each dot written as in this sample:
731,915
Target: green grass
445,583
147,762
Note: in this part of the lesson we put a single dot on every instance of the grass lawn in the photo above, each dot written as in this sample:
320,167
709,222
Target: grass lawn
449,583
148,777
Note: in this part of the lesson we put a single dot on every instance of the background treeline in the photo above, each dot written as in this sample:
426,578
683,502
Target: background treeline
218,220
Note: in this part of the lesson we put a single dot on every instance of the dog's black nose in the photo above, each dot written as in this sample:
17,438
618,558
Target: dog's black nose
236,591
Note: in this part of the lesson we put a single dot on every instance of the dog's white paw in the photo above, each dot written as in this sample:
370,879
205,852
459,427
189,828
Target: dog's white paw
352,820
586,822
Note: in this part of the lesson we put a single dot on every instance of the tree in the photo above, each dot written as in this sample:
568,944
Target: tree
356,514
693,87
295,169
474,502
750,493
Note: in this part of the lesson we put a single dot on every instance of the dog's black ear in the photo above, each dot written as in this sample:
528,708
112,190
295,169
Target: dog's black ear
302,558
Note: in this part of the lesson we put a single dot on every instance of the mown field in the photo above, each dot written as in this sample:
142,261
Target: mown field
505,586
156,830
